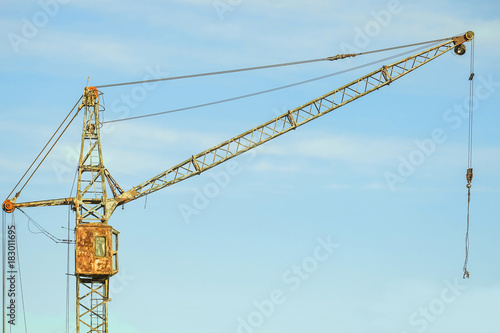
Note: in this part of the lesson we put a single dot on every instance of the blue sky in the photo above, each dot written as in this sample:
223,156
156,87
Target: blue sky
304,234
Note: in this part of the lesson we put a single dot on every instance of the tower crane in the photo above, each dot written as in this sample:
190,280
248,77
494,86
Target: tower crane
98,194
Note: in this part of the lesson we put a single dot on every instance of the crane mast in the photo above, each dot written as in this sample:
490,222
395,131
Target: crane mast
96,253
95,258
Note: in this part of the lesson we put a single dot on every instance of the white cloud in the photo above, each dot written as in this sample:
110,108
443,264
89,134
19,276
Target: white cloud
266,166
347,148
201,32
154,137
83,48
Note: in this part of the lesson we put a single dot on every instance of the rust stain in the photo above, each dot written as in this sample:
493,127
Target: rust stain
86,261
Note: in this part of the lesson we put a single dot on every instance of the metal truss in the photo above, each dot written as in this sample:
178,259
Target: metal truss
92,304
91,192
286,122
90,205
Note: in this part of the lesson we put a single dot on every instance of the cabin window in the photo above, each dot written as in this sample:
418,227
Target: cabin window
100,246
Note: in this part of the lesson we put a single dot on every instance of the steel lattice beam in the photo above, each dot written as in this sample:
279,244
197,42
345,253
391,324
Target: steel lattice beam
92,305
90,205
287,121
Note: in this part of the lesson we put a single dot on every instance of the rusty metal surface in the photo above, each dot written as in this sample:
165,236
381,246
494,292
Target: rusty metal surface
42,203
465,38
8,206
86,261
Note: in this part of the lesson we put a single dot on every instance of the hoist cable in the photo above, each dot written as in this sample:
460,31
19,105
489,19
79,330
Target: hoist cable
469,174
466,261
48,152
337,57
471,104
68,256
67,274
265,91
52,137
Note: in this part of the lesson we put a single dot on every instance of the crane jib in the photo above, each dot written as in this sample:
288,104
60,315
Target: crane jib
291,120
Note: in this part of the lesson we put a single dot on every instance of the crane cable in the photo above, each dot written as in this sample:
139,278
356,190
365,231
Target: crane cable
41,230
4,277
46,145
469,173
337,57
267,90
68,274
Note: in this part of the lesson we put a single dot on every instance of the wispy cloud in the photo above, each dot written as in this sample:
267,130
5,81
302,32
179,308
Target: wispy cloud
335,24
347,148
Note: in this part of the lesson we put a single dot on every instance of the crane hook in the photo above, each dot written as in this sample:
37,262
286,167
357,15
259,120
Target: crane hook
469,177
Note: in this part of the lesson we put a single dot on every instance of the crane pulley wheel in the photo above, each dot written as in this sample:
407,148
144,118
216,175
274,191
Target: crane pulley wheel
94,89
460,49
469,35
8,206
